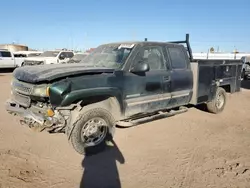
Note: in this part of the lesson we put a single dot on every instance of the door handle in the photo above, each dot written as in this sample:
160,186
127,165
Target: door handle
166,78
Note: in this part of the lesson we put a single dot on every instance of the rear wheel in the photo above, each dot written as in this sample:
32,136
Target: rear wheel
92,131
218,103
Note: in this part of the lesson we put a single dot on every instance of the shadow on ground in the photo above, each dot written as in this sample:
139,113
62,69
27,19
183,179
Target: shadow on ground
6,71
245,84
100,170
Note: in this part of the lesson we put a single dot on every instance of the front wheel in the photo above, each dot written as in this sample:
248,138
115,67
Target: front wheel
92,131
218,103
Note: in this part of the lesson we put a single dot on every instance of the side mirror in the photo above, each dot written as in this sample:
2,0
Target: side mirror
61,56
140,67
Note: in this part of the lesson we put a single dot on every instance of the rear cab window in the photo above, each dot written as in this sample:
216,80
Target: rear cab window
177,57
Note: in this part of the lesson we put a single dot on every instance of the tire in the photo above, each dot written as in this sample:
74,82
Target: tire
85,120
215,106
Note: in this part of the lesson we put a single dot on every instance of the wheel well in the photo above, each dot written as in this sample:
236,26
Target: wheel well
227,88
106,102
111,103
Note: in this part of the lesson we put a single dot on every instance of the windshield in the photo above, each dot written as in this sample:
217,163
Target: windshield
109,55
49,54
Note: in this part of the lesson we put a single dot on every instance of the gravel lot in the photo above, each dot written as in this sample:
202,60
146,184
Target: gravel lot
195,149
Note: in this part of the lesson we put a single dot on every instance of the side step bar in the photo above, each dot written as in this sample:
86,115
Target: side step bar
158,115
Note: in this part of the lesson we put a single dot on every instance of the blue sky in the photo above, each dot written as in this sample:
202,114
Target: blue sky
82,24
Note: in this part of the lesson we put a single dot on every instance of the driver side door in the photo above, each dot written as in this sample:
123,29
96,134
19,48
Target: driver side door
143,92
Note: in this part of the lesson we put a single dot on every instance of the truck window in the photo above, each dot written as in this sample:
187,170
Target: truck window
62,54
69,54
154,57
178,58
5,54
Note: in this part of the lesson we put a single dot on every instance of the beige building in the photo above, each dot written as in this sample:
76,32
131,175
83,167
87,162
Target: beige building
14,47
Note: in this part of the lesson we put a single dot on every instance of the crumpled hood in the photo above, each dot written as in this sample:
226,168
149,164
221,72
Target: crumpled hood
47,73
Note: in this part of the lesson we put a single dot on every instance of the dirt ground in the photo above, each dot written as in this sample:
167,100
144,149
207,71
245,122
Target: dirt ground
192,150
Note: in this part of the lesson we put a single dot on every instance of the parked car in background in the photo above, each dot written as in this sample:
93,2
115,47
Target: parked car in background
50,57
7,59
20,56
77,57
245,68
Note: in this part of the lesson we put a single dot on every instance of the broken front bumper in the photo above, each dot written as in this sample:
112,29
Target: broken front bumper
36,118
14,108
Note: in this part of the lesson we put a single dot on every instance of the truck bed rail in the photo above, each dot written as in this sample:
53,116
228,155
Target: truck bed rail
189,50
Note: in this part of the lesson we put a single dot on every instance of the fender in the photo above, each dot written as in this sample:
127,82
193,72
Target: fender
77,95
110,104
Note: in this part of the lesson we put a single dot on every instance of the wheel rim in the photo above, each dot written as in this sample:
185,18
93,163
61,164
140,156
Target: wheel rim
220,101
94,131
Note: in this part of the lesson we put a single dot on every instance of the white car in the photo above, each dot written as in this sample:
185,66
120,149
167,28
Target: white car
7,59
50,57
245,74
20,56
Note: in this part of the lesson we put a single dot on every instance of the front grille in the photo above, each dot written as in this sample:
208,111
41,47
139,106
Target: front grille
21,99
20,92
21,87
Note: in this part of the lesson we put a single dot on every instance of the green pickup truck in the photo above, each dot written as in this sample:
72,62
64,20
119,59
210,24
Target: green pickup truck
123,83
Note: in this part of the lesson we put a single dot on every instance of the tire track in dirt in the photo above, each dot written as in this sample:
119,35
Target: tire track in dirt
217,167
27,170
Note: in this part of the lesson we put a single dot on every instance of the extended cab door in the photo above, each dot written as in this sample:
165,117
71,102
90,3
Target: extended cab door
7,59
181,75
143,92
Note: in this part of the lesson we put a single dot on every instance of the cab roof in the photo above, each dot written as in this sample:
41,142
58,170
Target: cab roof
138,42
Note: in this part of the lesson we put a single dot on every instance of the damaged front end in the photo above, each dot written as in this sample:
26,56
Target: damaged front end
31,103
